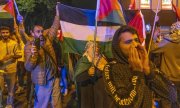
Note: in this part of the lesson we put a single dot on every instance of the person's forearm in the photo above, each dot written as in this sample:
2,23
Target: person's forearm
30,58
160,85
30,62
23,34
54,28
7,57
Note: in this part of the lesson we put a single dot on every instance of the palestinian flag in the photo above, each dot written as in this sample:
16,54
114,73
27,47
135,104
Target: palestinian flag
4,14
78,26
177,11
110,11
138,23
132,5
6,19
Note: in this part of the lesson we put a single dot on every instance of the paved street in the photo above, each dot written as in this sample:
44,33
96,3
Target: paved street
21,100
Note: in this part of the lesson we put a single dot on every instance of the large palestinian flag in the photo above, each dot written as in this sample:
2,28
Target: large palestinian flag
78,26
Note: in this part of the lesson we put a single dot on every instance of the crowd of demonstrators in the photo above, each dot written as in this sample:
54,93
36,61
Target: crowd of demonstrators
170,63
127,80
8,63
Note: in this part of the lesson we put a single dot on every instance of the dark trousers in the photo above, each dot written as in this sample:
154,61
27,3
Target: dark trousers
1,98
21,73
167,104
178,90
92,94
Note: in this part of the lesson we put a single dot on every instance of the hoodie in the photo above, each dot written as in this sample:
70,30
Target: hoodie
133,89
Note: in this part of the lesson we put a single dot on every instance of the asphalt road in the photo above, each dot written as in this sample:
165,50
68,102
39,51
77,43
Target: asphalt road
20,101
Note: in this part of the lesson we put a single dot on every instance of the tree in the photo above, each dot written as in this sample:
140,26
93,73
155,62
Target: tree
29,5
38,11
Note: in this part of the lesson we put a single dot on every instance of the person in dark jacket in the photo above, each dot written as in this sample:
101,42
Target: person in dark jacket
130,79
90,86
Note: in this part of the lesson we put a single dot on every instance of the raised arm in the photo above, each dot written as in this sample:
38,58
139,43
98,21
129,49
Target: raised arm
56,24
23,36
16,31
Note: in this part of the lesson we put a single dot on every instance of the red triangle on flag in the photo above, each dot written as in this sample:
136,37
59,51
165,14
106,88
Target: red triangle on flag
59,35
138,23
9,7
177,11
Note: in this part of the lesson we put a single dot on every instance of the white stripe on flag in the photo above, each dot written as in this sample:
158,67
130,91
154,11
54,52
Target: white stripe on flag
1,8
86,33
143,29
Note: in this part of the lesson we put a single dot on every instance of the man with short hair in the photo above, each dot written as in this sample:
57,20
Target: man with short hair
8,62
41,61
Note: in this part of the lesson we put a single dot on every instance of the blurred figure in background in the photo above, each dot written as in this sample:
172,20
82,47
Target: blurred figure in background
8,63
169,47
91,91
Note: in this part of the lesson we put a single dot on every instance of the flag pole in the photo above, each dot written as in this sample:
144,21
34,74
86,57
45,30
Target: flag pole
15,4
95,30
15,23
174,9
154,24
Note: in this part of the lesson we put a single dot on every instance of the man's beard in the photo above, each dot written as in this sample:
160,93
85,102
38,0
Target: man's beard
5,38
42,40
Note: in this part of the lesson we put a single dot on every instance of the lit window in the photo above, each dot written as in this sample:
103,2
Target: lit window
166,4
145,4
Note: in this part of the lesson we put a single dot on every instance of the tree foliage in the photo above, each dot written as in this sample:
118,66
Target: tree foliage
29,5
26,5
39,12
